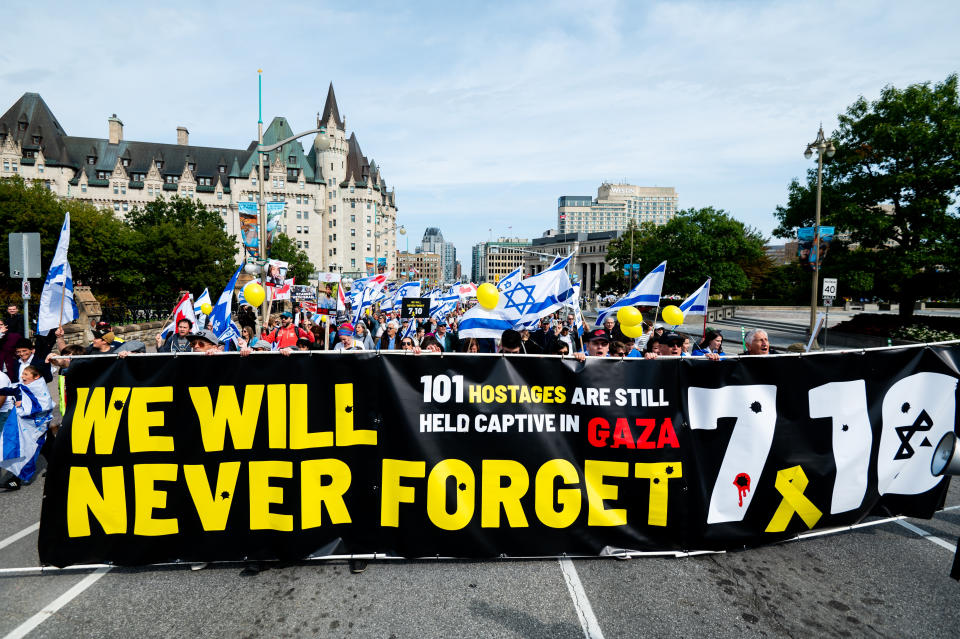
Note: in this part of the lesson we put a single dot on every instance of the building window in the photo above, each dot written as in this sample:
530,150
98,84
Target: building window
291,159
116,207
281,183
221,168
91,159
250,197
353,263
306,214
302,184
299,229
353,232
351,189
125,206
159,165
299,215
125,162
353,205
36,140
368,205
299,244
116,189
123,189
368,247
191,166
306,244
333,209
353,246
353,218
40,168
368,232
83,188
368,219
253,181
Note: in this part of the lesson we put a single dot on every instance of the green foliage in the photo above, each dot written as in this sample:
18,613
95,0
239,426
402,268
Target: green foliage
612,283
157,251
182,246
299,265
893,181
697,244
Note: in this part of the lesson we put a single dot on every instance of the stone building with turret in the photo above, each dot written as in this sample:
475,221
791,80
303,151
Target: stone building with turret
338,207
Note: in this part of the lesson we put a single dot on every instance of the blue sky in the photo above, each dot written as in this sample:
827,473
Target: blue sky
482,114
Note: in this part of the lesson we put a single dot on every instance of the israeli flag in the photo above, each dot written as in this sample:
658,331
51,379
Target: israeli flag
510,280
455,289
574,302
20,447
521,305
646,293
442,305
58,287
198,304
697,303
372,291
220,316
407,289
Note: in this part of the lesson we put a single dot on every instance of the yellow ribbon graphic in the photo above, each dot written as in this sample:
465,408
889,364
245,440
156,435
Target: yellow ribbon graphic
791,482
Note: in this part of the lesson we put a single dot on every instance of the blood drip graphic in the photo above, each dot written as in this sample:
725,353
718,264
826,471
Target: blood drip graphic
742,482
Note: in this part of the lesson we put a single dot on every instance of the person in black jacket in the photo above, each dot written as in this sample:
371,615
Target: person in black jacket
27,356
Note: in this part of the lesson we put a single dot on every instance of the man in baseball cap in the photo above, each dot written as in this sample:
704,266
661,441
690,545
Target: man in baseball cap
597,342
671,344
205,341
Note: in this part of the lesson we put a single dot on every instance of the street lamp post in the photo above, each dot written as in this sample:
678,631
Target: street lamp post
819,146
386,249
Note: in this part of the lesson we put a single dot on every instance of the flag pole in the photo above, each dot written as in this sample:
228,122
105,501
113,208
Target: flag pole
63,296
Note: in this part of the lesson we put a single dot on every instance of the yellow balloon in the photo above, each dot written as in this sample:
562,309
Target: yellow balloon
672,315
488,295
629,316
254,294
632,330
205,308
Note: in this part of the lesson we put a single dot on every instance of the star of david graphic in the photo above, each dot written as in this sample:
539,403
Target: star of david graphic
921,424
523,303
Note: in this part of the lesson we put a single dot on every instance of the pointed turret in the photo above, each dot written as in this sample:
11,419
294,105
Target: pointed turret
331,109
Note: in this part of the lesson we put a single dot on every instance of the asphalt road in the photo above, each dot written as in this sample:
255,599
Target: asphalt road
877,581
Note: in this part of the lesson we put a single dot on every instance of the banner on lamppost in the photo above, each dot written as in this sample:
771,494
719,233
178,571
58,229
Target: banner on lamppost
806,245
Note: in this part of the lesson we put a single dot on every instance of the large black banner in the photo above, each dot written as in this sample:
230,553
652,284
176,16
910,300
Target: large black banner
201,458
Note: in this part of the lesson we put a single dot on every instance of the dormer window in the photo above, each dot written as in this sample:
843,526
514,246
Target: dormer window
37,139
91,160
291,159
221,168
125,162
191,167
159,165
21,126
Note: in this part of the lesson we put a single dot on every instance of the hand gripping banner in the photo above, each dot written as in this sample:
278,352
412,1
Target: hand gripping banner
205,458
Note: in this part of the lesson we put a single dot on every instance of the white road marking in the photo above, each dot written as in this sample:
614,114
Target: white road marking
588,621
30,624
926,535
20,535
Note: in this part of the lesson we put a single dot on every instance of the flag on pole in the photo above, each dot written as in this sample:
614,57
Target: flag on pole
220,316
442,305
574,302
646,293
697,303
198,306
366,297
183,310
521,305
510,280
341,300
58,287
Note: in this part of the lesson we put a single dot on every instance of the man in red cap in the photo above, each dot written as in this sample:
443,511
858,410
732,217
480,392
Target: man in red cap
597,342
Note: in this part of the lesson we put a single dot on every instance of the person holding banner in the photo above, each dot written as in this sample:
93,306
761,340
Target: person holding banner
712,343
758,343
286,335
176,342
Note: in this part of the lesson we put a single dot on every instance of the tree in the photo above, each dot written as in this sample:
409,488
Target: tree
299,266
182,246
102,253
697,244
892,186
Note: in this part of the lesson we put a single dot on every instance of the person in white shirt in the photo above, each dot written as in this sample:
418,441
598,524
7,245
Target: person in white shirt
347,341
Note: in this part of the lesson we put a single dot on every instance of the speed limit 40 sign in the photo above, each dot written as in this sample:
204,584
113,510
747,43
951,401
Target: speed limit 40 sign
829,287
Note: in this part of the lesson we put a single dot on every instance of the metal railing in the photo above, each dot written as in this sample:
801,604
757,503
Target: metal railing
135,312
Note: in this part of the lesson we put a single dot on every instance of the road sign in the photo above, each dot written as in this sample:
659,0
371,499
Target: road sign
26,288
414,308
24,255
829,287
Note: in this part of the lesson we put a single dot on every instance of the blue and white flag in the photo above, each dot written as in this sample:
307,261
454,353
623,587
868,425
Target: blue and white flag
455,289
407,289
697,303
198,304
646,293
443,305
521,305
20,447
58,287
371,292
574,302
231,337
510,280
220,316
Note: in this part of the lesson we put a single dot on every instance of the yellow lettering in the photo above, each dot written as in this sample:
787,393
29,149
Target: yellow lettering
464,494
214,422
494,493
314,495
569,499
110,508
593,473
262,494
346,435
300,435
140,420
277,415
393,493
95,416
147,498
212,507
659,474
